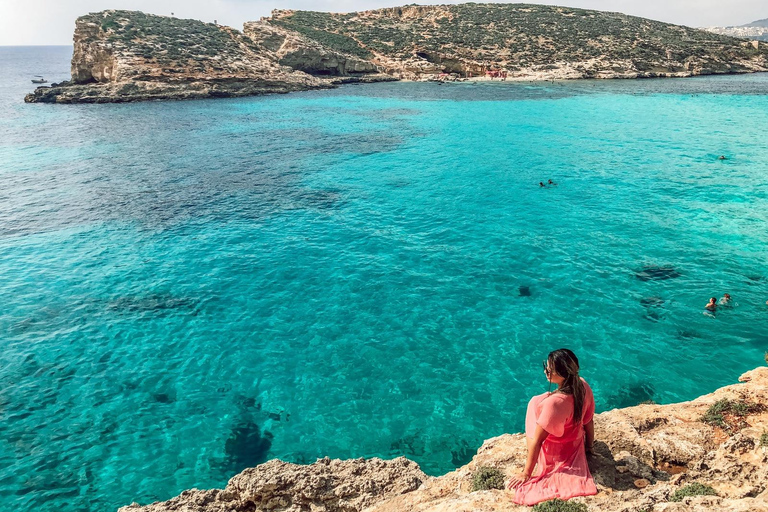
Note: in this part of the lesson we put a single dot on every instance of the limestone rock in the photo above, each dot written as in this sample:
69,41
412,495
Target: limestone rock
327,485
303,54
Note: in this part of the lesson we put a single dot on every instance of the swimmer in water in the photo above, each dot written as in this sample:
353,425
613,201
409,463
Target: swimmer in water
550,182
722,157
541,184
711,306
726,300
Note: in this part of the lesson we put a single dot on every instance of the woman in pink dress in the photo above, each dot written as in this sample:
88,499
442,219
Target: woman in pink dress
559,431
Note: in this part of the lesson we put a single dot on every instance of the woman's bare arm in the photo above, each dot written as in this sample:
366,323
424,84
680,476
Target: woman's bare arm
589,438
534,447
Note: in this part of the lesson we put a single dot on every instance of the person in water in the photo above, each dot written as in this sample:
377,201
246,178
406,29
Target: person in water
712,305
541,184
559,432
725,300
550,182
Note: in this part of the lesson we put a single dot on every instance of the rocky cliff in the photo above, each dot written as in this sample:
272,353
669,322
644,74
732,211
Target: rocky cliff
646,460
528,41
130,56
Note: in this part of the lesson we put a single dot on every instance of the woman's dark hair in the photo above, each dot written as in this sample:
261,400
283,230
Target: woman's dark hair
566,364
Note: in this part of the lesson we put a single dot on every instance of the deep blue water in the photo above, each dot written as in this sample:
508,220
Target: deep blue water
191,288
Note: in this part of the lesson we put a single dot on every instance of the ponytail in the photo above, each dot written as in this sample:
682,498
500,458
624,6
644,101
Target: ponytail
566,364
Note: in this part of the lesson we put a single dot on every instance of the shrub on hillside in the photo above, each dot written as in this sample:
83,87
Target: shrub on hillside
486,478
558,505
694,489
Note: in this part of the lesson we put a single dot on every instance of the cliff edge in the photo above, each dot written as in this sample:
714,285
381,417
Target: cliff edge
645,459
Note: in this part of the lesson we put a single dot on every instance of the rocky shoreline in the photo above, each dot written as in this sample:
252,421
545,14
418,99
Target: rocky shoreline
123,56
646,458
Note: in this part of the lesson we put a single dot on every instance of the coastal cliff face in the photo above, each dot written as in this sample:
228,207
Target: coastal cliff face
643,455
131,56
303,54
528,41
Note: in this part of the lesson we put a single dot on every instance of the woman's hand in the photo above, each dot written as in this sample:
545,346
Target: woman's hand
517,480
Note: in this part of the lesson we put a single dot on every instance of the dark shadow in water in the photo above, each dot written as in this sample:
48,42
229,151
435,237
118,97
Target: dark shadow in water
654,273
525,291
246,447
411,445
462,454
632,394
155,303
687,334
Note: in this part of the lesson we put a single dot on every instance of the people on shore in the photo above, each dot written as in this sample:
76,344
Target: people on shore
559,432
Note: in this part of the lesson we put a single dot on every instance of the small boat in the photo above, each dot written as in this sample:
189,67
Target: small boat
39,80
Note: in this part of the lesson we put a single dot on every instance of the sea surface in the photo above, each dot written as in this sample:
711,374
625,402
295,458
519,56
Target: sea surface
191,288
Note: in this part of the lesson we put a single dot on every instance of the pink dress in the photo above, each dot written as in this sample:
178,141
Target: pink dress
561,470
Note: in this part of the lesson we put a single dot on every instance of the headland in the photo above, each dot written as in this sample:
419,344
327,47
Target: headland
124,56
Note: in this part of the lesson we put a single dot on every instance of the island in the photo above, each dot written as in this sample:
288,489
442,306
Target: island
124,56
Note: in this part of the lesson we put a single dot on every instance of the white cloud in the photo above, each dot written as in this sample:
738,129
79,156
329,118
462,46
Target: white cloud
24,22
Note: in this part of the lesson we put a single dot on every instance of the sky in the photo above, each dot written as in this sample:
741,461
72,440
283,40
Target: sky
51,22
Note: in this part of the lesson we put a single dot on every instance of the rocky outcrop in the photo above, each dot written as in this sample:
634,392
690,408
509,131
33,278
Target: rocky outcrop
130,56
327,485
303,54
643,454
529,42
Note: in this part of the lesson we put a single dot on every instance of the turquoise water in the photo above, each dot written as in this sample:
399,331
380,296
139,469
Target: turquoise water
191,288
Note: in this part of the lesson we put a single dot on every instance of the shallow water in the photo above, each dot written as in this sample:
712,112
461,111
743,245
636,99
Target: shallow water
191,288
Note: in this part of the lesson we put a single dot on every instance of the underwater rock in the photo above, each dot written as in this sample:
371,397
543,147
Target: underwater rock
163,398
652,301
246,446
154,302
654,316
686,334
653,273
632,394
462,454
408,445
525,291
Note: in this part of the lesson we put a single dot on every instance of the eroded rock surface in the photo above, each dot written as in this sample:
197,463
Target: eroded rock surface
131,56
327,485
643,454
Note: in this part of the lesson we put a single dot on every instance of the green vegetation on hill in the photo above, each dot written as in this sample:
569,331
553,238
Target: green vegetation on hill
164,39
524,34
